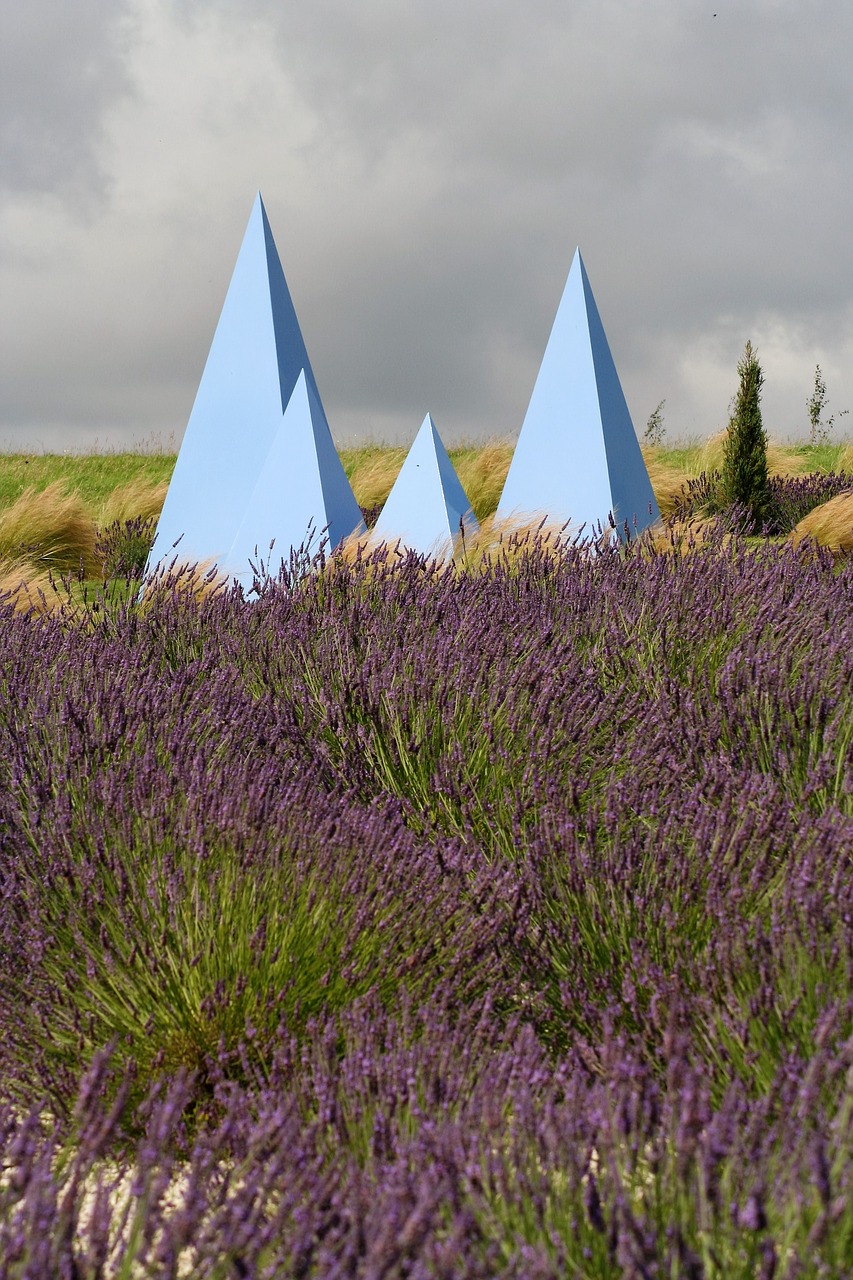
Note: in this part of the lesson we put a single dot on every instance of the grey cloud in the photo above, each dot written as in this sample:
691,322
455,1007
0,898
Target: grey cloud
447,160
699,162
61,67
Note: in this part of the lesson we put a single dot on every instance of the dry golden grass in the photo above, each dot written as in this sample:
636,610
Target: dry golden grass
190,581
482,473
680,537
507,540
25,589
785,462
372,548
52,529
710,456
667,481
780,461
139,498
494,541
830,525
374,474
366,549
845,459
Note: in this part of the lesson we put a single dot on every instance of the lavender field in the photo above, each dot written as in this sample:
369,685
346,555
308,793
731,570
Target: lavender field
418,922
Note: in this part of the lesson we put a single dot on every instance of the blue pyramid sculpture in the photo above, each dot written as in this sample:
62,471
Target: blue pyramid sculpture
255,361
302,495
577,457
427,503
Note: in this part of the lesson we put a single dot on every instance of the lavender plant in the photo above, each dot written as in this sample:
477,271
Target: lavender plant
123,547
790,497
399,920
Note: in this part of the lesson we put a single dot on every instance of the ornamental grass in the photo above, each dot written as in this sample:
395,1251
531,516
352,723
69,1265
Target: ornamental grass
23,589
138,499
373,472
483,472
830,525
781,461
667,481
52,529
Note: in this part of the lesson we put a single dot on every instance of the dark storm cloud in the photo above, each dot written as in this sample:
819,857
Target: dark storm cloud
428,169
61,68
701,163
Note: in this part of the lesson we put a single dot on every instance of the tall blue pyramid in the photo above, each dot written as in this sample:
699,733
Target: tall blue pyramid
427,504
578,459
238,418
302,495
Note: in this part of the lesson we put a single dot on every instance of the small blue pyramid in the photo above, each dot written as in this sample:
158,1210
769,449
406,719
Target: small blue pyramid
302,495
255,359
578,459
427,504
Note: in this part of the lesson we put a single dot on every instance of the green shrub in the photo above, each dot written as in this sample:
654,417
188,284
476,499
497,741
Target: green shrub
744,481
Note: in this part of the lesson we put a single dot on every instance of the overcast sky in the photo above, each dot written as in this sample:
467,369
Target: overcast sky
428,168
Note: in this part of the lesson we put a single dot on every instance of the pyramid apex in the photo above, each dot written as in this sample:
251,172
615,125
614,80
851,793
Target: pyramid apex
259,213
427,504
578,457
256,359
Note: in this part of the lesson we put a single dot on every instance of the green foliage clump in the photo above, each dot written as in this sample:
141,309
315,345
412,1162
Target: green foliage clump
745,480
655,430
820,426
123,547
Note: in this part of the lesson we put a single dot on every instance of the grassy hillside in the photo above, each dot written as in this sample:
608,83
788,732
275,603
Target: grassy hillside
92,477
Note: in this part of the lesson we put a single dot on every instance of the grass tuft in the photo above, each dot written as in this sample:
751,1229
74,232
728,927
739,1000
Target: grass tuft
781,460
372,471
844,461
138,499
92,476
482,473
829,525
667,480
52,529
23,590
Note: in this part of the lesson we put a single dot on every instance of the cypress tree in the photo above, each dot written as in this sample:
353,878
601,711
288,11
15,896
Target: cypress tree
744,481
